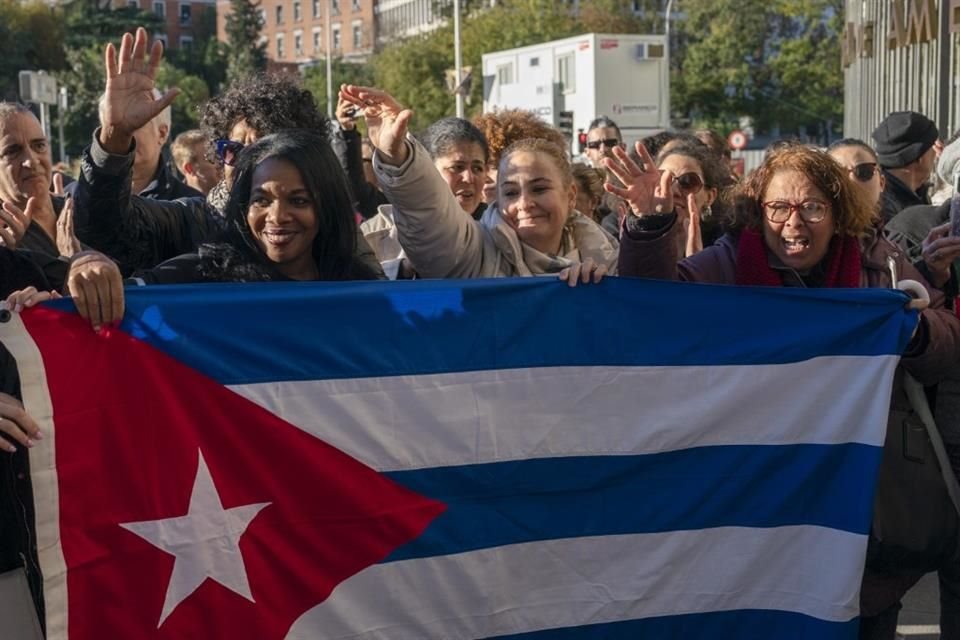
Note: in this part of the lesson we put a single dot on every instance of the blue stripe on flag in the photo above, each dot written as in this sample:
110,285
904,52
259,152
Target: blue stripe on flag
740,625
383,329
502,503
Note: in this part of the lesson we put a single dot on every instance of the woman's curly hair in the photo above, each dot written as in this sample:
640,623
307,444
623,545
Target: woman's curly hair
503,128
853,214
268,103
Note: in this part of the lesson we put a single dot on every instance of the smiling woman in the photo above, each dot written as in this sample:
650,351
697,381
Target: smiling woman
289,217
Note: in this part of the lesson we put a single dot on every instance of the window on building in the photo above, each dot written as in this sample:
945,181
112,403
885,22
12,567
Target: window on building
316,41
162,37
505,73
316,8
567,73
297,17
298,45
133,3
186,42
357,36
280,47
279,14
356,5
334,7
160,8
335,43
263,17
186,13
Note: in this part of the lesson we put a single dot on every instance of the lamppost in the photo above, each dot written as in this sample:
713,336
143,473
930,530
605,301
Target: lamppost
456,56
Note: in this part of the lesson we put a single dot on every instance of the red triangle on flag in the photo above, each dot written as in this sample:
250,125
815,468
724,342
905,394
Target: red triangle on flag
130,421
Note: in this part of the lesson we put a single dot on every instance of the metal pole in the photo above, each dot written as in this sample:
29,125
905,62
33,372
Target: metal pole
666,32
45,119
61,109
456,56
329,62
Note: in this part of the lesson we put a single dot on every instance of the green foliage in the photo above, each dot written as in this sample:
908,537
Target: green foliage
207,58
84,80
776,62
31,37
89,22
193,93
246,54
342,71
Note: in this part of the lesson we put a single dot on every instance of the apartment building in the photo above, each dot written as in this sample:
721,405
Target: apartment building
296,31
184,19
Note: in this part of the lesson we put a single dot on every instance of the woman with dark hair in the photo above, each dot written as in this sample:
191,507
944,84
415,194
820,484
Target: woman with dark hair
289,217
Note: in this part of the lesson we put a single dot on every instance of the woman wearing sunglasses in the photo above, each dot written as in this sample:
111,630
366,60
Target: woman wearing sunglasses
798,221
698,177
863,168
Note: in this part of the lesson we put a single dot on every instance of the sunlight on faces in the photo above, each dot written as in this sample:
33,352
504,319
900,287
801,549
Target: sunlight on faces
536,198
25,163
464,169
283,218
680,165
849,157
490,185
596,156
797,244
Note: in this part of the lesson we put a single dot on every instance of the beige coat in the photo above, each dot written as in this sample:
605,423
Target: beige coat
441,241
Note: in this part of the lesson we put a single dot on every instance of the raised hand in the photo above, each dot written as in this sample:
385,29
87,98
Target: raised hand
940,249
645,189
128,101
386,121
67,242
694,235
14,222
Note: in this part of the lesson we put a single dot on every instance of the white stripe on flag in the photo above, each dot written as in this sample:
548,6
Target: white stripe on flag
570,582
412,422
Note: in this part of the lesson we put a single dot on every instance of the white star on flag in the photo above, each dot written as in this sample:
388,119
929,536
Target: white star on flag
205,542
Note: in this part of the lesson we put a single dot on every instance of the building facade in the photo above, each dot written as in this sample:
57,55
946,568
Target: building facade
403,18
901,55
296,31
185,20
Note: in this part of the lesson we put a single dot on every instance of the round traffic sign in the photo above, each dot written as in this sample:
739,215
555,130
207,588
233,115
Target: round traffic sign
737,140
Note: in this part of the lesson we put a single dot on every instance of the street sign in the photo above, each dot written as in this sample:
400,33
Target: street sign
737,140
38,87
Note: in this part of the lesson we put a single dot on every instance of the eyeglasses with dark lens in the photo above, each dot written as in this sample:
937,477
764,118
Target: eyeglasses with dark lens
228,150
596,144
689,183
811,211
864,171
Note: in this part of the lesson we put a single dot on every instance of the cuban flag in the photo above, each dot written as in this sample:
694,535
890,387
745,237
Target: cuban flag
459,459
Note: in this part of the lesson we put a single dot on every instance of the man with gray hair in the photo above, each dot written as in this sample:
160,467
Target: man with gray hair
152,177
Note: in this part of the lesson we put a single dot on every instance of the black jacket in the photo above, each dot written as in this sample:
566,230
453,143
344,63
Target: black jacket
139,233
347,144
897,196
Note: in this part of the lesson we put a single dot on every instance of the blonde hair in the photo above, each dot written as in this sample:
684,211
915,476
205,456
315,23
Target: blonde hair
503,128
546,147
184,147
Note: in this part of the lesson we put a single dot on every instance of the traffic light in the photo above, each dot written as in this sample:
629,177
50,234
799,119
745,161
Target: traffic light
581,141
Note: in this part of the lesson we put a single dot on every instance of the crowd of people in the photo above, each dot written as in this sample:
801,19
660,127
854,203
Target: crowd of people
269,189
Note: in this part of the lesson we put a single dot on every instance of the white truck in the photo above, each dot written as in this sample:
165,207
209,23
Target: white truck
570,82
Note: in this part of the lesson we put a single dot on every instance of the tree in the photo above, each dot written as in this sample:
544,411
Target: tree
343,72
247,55
31,38
207,57
185,110
777,63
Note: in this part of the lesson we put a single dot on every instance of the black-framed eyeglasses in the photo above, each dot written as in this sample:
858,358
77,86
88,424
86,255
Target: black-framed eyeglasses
690,183
596,144
228,150
864,171
811,211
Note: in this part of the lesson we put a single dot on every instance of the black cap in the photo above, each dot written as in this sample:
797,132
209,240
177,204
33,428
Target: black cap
902,137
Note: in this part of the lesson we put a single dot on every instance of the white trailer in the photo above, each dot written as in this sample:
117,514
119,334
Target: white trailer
570,82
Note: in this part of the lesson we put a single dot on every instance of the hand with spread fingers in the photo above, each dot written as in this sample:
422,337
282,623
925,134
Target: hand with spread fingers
14,222
386,121
940,249
95,283
16,425
67,242
585,272
645,189
128,101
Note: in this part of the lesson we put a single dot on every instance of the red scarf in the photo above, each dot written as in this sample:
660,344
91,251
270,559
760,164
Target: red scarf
753,267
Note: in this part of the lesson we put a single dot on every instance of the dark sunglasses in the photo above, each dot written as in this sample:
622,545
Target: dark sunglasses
864,171
228,150
689,183
596,144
